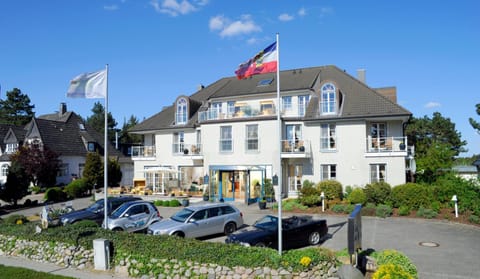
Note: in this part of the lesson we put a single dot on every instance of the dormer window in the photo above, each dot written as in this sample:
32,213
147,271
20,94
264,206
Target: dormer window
181,115
91,146
328,102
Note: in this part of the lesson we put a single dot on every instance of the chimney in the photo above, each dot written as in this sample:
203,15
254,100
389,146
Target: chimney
200,87
361,75
63,109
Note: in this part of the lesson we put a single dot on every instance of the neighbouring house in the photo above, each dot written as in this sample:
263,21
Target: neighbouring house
66,134
227,136
466,172
11,137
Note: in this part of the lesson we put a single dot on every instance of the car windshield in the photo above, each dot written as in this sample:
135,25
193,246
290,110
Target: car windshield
117,212
182,215
95,206
267,223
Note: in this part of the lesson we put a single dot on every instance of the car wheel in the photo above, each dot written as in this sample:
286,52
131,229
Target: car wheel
314,238
178,234
117,229
230,228
260,244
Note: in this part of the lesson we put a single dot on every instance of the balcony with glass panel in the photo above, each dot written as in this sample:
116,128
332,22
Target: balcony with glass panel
143,152
387,145
185,149
296,149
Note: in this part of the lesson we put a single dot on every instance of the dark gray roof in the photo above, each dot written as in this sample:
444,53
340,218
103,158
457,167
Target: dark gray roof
357,99
19,132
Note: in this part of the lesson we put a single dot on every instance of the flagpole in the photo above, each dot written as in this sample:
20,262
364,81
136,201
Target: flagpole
280,174
105,154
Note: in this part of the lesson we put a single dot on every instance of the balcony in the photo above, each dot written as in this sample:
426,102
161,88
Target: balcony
295,149
184,149
144,152
387,145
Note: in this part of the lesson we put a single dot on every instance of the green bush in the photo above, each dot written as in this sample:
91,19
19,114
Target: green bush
357,196
412,195
426,213
378,192
435,206
174,203
36,189
331,188
474,219
338,208
309,195
291,204
158,203
396,258
55,194
349,208
348,191
383,211
391,271
369,210
77,188
85,224
404,210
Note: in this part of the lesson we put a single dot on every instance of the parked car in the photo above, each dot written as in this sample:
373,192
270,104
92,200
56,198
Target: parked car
95,212
200,220
133,216
297,231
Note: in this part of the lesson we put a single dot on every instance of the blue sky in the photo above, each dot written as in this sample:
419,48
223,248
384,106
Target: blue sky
159,49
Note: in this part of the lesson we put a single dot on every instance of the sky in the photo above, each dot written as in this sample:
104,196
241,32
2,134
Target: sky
159,49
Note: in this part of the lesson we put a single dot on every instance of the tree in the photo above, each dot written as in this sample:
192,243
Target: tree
475,124
114,173
16,108
40,164
436,142
93,171
97,121
127,138
16,186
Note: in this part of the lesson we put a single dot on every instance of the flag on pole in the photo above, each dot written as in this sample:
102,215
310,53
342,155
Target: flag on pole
89,85
264,62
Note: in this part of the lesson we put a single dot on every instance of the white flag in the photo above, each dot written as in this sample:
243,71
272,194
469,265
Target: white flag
89,85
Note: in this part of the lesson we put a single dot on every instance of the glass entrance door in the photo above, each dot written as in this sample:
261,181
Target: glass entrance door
227,185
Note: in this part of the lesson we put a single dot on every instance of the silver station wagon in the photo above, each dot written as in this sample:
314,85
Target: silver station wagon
200,220
133,216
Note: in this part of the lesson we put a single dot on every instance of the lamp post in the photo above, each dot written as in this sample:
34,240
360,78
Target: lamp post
322,196
454,199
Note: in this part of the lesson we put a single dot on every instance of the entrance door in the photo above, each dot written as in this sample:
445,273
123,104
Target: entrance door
227,182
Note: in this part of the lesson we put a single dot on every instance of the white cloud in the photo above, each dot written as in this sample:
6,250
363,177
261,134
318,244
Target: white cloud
285,17
432,105
230,28
110,7
175,8
302,12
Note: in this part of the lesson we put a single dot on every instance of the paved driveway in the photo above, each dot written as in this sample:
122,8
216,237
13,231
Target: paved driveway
449,250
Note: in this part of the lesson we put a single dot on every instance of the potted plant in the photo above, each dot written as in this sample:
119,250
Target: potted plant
205,195
262,203
185,202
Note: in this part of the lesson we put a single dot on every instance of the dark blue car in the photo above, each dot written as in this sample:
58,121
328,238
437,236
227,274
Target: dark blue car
297,231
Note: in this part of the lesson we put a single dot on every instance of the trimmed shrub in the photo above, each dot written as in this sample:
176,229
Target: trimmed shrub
426,213
404,210
348,191
174,203
291,204
338,208
383,211
55,194
85,224
331,188
395,258
378,192
369,210
391,271
412,195
16,219
158,203
309,195
357,196
77,188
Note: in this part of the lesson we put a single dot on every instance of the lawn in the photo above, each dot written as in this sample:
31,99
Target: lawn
21,273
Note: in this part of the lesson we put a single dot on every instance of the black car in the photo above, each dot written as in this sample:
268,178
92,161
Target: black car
95,211
297,231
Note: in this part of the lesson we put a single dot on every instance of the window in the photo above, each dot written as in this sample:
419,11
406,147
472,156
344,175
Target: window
329,172
252,138
302,104
328,99
91,146
378,132
265,82
181,111
328,137
63,170
11,148
293,134
178,142
266,108
286,103
295,173
216,110
230,108
377,173
4,170
226,142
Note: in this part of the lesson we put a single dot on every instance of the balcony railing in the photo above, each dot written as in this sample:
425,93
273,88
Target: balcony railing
216,115
144,151
187,149
295,147
386,144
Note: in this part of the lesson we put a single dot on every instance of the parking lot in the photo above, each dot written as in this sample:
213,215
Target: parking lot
438,249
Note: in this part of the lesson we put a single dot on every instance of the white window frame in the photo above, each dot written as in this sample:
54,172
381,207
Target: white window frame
287,103
4,170
302,104
328,137
251,139
181,111
328,172
226,139
328,99
378,173
11,148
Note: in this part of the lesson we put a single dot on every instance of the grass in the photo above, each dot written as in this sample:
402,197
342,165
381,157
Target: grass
24,273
